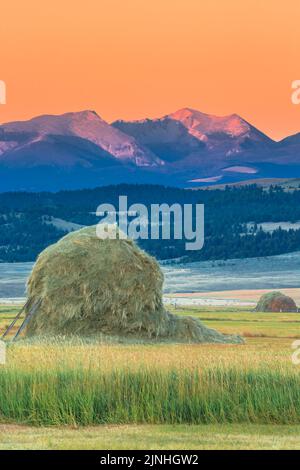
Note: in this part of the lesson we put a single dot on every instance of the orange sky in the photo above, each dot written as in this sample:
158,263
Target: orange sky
135,58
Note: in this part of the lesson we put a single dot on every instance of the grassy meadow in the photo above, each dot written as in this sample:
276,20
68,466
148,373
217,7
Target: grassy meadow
106,384
151,437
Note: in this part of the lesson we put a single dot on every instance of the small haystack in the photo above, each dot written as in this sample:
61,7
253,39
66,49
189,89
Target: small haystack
86,285
276,302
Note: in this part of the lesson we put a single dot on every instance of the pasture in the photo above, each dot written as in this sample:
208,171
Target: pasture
183,392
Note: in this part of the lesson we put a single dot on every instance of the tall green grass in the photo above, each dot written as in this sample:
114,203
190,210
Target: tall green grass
87,397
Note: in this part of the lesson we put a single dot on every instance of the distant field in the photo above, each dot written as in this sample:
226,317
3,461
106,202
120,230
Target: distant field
246,322
228,320
240,295
286,183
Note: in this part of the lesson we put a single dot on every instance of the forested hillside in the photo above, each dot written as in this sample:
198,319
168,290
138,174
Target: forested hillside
31,221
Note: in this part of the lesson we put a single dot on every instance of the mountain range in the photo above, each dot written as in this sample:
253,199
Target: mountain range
187,148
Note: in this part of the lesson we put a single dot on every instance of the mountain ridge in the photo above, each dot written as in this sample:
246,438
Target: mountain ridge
87,125
184,147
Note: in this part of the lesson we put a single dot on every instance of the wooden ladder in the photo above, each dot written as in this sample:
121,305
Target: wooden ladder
31,312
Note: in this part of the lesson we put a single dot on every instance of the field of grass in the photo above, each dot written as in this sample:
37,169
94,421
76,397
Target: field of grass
151,437
89,397
246,322
71,381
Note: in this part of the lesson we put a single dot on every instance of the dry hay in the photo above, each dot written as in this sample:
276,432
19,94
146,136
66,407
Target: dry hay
276,302
85,285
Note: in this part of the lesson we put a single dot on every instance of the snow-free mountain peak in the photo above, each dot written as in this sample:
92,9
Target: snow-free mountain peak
201,124
86,125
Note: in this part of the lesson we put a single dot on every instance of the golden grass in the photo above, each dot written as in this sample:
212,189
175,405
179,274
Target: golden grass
269,339
65,380
257,353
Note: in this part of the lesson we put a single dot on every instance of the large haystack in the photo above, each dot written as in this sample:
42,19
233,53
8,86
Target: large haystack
276,302
86,285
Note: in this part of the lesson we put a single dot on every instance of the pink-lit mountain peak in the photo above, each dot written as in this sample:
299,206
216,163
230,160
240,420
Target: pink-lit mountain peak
86,125
53,124
201,124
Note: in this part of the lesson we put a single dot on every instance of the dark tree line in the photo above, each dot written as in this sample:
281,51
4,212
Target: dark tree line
26,229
